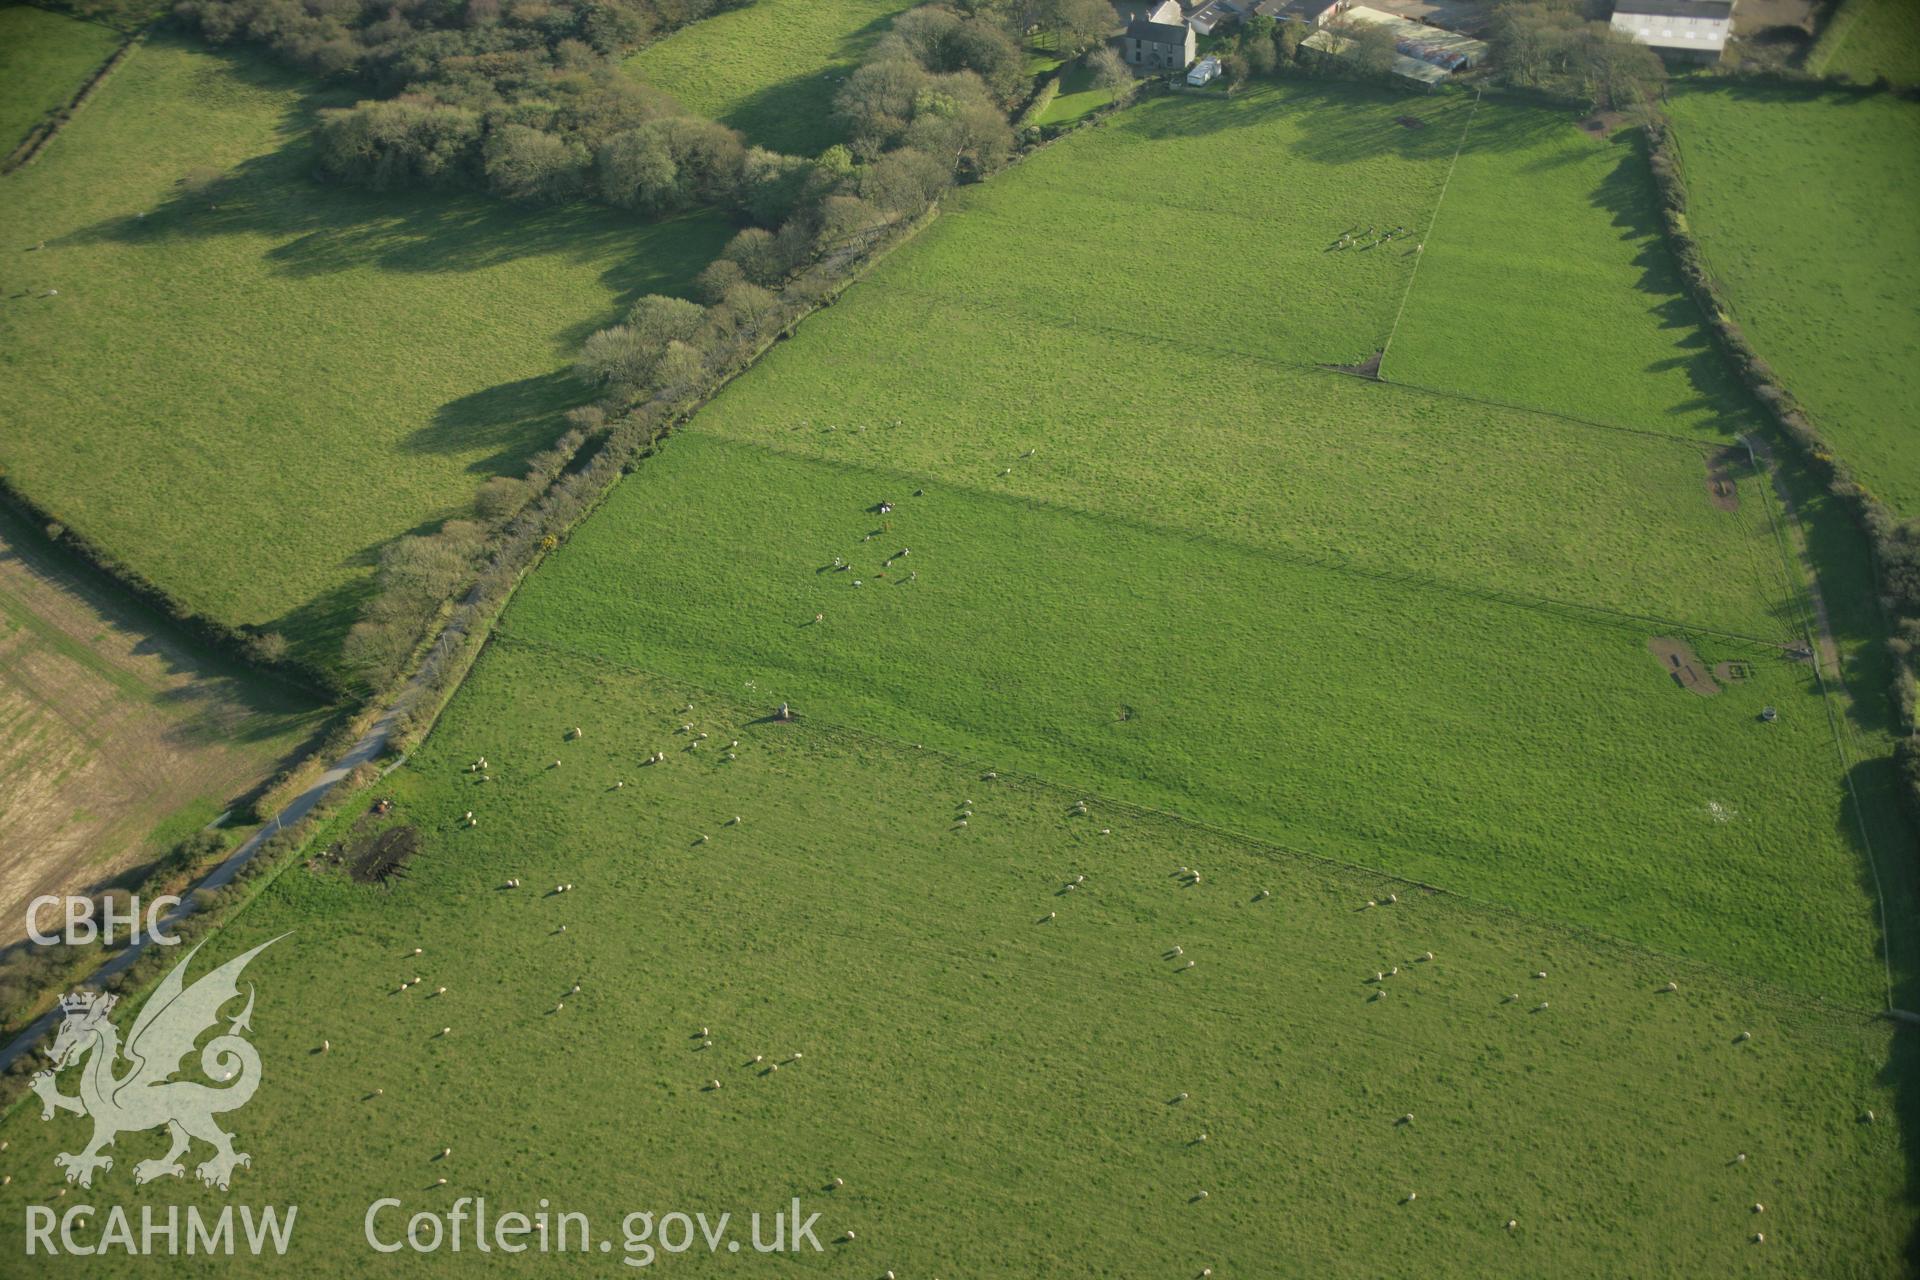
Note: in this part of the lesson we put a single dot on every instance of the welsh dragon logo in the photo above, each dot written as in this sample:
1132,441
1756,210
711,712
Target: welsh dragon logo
147,1096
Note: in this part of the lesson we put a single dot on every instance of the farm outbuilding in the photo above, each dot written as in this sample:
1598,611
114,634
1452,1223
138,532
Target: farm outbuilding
1689,30
1424,54
1205,71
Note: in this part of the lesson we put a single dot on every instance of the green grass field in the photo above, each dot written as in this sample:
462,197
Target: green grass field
44,59
1869,40
1158,593
1803,203
769,69
1250,601
1488,314
245,393
993,1087
1077,97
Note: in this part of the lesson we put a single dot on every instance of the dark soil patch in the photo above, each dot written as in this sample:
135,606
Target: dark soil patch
1724,469
1683,665
1732,672
1410,122
1602,123
1368,368
373,855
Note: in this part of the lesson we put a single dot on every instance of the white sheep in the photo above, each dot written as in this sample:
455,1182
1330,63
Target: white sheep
1671,986
1758,1207
326,1046
1743,1037
1393,897
446,1031
713,1084
1512,1223
1541,1007
439,991
1426,956
1540,973
445,1152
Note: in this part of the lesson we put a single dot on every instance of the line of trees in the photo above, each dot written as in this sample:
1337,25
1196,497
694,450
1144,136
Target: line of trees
926,109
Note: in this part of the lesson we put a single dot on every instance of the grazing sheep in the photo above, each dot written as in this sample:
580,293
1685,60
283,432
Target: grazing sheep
758,1058
1758,1207
558,1005
1200,1196
1179,951
1393,897
713,1084
1106,831
1379,977
446,1031
416,951
1201,1138
1869,1117
1512,999
1540,973
1671,986
988,776
1405,1119
1541,1007
735,821
1370,902
1759,1237
1182,1097
326,1046
439,991
1743,1037
445,1152
701,840
1512,1223
1394,972
1260,896
1188,965
1411,1197
1741,1158
850,1235
575,991
1050,915
439,1182
839,1182
1426,956
1379,993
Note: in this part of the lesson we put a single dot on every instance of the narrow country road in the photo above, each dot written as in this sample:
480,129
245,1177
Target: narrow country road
369,747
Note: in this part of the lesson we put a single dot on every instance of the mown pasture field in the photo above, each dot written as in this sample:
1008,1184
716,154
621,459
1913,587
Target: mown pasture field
244,391
1871,40
1366,621
993,1087
769,69
117,738
44,59
1803,203
1525,753
1489,313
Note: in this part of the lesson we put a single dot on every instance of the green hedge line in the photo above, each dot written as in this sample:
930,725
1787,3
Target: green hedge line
1895,543
231,642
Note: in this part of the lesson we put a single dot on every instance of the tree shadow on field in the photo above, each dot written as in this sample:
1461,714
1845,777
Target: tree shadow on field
1628,193
318,228
1877,784
515,420
793,116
